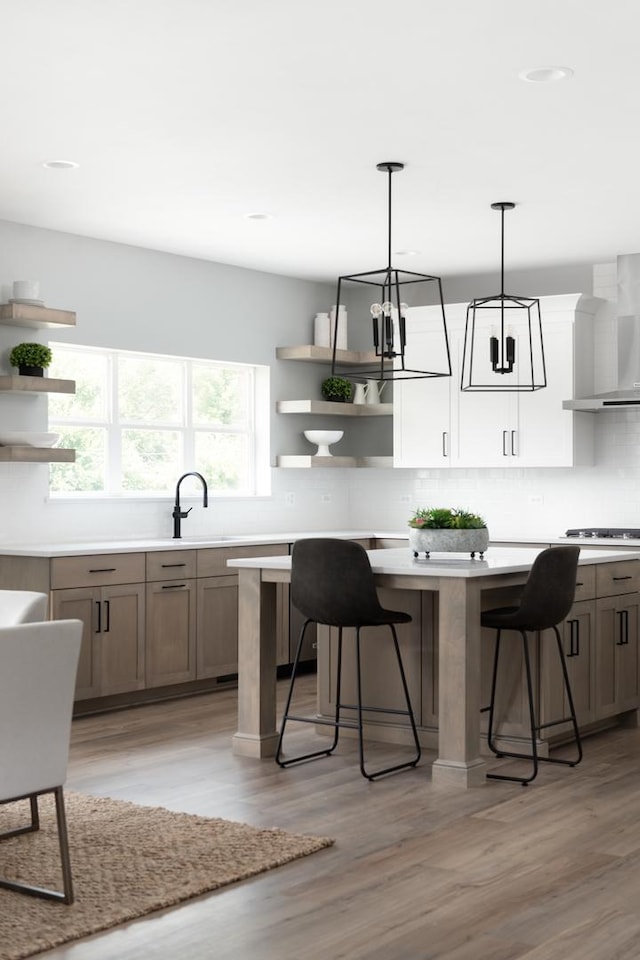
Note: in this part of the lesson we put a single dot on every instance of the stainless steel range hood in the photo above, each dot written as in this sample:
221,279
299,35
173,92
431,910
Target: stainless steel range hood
628,336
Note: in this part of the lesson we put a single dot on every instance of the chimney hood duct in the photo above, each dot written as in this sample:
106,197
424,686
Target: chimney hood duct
628,336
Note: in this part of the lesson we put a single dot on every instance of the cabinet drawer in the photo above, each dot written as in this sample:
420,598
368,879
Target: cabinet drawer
101,569
586,582
171,564
622,576
213,561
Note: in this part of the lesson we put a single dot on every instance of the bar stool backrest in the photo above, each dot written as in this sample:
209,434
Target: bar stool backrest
549,591
332,583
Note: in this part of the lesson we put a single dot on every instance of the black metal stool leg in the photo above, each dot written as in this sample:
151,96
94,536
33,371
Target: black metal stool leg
289,716
408,712
532,725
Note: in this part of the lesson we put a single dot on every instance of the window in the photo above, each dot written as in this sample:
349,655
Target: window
137,421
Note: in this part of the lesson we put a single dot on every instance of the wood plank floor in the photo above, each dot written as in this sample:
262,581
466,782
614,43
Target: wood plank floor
547,872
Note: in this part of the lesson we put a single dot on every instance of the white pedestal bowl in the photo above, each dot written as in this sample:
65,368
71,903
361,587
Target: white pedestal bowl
324,439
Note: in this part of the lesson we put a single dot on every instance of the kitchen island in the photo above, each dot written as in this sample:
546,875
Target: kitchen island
459,584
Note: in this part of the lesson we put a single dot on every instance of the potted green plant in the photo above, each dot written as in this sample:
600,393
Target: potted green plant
30,358
447,530
338,389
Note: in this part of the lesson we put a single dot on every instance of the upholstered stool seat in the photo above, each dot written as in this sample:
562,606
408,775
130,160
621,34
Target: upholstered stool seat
545,602
332,584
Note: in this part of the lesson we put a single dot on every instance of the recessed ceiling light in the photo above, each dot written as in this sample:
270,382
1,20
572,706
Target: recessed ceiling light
406,253
60,164
259,216
545,74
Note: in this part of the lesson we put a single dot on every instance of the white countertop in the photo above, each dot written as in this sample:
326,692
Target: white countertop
401,562
80,547
72,548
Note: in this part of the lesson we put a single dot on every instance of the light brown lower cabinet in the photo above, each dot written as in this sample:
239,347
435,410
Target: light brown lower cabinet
170,647
617,661
217,630
113,637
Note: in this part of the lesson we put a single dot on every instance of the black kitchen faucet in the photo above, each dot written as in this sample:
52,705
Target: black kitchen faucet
179,514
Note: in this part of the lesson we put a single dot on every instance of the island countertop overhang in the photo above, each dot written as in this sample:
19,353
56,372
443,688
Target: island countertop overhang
399,561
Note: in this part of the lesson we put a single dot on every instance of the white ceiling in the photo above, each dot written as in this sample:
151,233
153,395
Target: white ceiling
186,115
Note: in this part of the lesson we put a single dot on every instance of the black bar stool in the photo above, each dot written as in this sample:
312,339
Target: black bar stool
545,602
332,583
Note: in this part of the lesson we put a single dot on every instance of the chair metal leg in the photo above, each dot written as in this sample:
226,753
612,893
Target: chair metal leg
536,727
337,722
289,716
67,895
572,712
409,712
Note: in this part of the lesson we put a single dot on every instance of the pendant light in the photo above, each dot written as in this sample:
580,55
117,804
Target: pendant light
388,316
503,348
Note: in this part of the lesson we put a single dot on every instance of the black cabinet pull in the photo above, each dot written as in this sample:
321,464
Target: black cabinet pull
623,628
165,565
627,577
102,570
99,611
107,608
173,586
574,638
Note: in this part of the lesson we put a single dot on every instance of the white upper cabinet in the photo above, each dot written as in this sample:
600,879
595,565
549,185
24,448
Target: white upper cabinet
435,424
422,424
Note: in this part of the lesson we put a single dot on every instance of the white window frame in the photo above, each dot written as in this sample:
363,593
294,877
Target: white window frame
256,429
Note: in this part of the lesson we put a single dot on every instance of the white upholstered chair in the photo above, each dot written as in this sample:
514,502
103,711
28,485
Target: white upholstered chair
38,664
22,606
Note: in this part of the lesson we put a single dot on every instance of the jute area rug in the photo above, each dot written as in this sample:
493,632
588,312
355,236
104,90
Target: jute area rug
127,861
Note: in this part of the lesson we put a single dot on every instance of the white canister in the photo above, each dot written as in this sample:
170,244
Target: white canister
26,289
321,330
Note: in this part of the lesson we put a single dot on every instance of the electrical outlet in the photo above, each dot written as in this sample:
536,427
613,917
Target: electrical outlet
290,499
325,498
536,500
405,498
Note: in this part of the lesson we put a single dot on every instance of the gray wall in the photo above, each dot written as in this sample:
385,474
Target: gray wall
137,299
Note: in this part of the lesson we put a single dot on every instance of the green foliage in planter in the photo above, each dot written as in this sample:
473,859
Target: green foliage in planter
444,518
30,355
337,388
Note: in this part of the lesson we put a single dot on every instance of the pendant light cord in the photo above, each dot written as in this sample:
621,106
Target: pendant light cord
390,172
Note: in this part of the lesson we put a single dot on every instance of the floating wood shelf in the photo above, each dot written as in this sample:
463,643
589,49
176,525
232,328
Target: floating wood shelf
335,409
333,462
311,354
36,455
20,384
27,315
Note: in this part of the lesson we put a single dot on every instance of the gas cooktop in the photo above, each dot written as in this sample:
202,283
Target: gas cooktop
606,533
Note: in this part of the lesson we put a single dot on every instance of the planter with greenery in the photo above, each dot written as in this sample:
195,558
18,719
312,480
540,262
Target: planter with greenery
448,531
338,389
30,358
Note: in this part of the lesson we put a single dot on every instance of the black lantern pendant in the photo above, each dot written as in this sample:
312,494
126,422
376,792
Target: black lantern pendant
389,315
503,347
